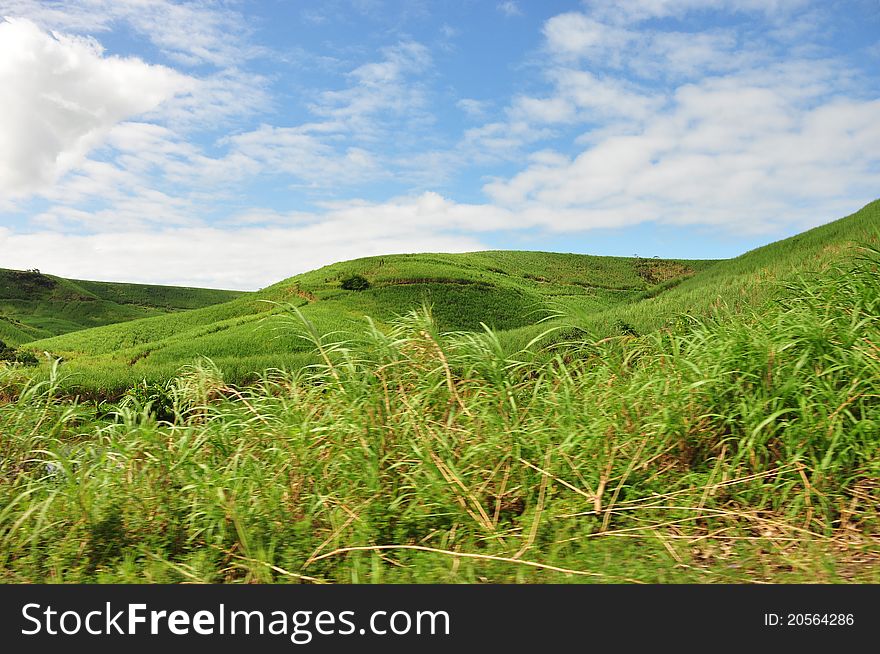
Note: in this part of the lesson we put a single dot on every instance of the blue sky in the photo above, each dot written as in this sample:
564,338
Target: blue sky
233,144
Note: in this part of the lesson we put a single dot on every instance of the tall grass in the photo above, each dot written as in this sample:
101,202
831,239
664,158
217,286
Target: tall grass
512,292
736,447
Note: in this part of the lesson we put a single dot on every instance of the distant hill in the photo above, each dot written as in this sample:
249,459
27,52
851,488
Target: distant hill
519,294
34,305
505,290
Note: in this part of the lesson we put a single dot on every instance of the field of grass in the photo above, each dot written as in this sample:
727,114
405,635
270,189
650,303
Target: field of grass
504,290
517,294
34,305
741,447
617,420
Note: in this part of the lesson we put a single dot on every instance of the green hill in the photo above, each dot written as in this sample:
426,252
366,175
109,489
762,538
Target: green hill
751,278
519,294
34,305
505,290
738,445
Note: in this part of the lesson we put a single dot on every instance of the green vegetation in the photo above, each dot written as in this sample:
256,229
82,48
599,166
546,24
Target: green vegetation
517,294
34,305
355,283
12,355
644,420
507,291
735,448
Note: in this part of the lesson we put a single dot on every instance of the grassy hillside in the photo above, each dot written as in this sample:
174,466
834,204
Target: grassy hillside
737,448
35,305
505,290
736,444
509,291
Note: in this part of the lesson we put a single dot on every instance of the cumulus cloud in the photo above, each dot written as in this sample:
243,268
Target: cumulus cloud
60,96
202,35
150,173
689,127
747,151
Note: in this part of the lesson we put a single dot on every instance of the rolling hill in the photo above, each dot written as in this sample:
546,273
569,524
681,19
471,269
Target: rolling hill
738,445
505,290
35,305
519,294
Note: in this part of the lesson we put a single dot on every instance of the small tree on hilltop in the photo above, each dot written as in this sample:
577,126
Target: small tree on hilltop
355,283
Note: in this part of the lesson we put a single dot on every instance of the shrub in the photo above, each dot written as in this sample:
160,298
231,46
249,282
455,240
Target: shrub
26,358
157,399
355,283
11,355
625,328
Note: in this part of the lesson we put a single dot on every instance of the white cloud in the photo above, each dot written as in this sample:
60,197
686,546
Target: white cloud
215,101
380,94
473,108
576,97
353,136
641,10
252,257
86,104
746,152
293,151
190,33
575,34
313,16
145,158
59,98
143,209
715,133
575,37
581,96
198,33
510,8
499,141
449,32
